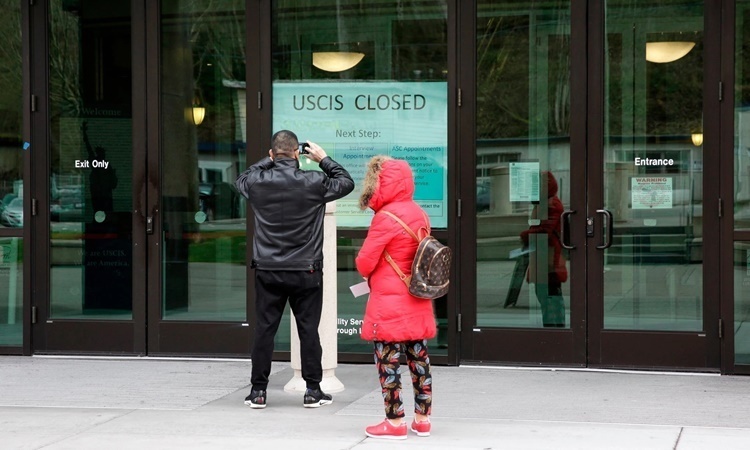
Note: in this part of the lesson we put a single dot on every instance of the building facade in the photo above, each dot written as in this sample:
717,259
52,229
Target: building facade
587,161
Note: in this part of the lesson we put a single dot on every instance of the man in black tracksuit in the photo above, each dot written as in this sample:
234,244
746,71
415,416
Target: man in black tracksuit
289,207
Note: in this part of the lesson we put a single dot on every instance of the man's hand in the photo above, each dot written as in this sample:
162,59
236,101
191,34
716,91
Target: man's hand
315,152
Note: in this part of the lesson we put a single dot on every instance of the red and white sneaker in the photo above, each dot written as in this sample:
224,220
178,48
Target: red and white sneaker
386,430
421,428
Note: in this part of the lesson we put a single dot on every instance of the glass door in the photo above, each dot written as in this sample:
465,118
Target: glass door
650,302
735,284
13,171
593,139
89,298
144,119
528,121
198,271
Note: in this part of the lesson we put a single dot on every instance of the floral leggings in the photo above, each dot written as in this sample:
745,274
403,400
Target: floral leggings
387,356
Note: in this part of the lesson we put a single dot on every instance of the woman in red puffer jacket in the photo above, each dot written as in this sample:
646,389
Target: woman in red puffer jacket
548,294
395,320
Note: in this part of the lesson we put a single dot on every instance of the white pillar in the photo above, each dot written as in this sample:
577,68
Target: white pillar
500,191
328,319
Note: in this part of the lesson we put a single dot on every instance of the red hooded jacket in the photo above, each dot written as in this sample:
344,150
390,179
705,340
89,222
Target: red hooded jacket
551,227
392,314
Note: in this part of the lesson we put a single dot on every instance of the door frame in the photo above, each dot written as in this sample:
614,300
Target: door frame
585,343
146,333
527,346
728,234
184,337
53,335
699,350
24,234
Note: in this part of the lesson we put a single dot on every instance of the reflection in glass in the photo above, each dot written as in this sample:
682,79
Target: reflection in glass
742,184
203,124
653,273
11,292
742,118
742,302
523,137
11,177
11,117
405,62
90,160
11,214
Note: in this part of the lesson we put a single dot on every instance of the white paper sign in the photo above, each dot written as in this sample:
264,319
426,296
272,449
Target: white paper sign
651,192
524,181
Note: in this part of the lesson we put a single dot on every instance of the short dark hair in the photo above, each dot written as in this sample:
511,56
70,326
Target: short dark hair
284,143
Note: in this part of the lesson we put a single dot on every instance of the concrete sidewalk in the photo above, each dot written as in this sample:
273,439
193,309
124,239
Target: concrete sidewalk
69,403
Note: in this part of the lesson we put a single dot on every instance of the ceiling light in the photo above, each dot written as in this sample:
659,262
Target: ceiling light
336,61
668,51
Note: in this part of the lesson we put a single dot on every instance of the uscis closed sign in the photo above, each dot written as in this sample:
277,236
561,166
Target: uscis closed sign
355,121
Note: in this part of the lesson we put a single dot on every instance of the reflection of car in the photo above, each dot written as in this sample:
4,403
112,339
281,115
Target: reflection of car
6,200
483,196
218,200
12,213
67,209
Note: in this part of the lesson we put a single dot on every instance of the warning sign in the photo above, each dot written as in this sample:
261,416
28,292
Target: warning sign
651,192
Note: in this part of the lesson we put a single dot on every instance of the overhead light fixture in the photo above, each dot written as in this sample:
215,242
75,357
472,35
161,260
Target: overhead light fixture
667,51
697,139
336,61
197,112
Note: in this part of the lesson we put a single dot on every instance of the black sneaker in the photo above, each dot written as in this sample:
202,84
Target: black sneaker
315,398
256,399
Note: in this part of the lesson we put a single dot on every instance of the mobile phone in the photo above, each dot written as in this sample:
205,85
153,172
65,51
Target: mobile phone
304,148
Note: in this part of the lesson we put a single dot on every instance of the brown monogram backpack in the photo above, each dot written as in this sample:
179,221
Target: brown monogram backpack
430,270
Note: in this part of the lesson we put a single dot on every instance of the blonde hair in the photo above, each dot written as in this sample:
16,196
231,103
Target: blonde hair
370,183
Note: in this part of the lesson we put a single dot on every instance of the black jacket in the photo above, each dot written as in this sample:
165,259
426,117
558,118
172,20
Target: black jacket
289,207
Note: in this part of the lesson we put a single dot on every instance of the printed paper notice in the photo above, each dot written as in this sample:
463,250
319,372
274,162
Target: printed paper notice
524,181
651,192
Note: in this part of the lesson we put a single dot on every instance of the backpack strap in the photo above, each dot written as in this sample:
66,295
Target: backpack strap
426,229
406,227
406,279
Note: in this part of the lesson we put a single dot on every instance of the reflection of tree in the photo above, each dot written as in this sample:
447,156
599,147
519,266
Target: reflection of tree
64,60
502,77
11,82
559,84
218,34
673,99
508,75
215,35
11,75
202,44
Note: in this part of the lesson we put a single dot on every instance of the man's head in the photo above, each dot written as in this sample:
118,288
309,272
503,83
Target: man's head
284,144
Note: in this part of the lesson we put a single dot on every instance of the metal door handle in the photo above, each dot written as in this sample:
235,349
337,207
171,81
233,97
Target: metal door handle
564,227
608,224
149,225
